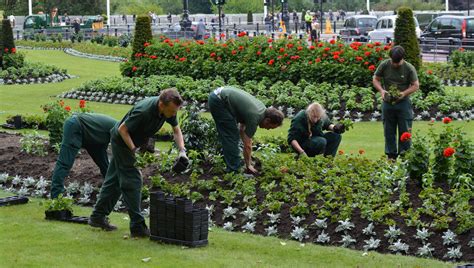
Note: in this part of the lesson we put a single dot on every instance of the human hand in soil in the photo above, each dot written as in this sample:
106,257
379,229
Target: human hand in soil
251,170
183,157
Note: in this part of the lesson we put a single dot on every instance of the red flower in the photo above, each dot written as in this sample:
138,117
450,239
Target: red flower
359,58
318,60
361,151
367,53
271,62
377,49
61,103
300,48
67,108
6,49
406,136
234,52
153,57
259,53
222,35
429,72
461,49
13,50
282,50
171,44
289,45
386,47
269,40
447,120
176,57
200,42
448,152
341,152
366,63
380,58
219,58
224,45
182,59
377,44
332,42
242,34
285,55
336,57
327,49
82,103
166,40
311,48
241,48
279,57
134,68
310,62
372,68
213,54
146,44
320,44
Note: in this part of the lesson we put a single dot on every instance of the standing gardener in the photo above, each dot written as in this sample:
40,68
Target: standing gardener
398,76
306,134
84,130
123,178
231,106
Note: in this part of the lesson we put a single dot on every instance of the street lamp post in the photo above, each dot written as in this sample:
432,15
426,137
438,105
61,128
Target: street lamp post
185,22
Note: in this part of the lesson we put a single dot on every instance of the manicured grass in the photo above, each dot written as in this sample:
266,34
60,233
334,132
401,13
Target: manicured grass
28,99
27,240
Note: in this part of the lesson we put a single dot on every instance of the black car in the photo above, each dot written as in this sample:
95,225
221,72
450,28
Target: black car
449,33
357,27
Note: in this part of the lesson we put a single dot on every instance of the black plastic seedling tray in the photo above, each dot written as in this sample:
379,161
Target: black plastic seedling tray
13,200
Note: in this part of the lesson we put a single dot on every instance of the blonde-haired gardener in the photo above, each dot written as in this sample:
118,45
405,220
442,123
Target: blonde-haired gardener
306,134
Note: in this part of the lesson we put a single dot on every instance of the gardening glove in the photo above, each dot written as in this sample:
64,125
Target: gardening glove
183,157
339,128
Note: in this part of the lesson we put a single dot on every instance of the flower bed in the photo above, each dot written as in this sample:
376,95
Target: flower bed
257,58
359,103
347,201
32,73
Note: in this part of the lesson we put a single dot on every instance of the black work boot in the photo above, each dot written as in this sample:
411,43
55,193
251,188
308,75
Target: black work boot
141,230
102,223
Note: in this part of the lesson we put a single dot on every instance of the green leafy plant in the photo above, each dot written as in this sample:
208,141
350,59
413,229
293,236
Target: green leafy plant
59,203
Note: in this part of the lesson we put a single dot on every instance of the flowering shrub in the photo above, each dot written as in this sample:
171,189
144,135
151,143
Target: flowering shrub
11,58
57,112
247,58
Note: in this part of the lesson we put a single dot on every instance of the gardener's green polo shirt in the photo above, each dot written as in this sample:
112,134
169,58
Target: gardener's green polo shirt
299,129
401,77
142,122
95,128
244,107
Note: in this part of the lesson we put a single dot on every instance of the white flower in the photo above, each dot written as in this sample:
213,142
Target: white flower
274,218
371,244
449,238
228,226
347,240
399,246
425,251
250,214
321,223
454,253
249,226
344,226
271,230
299,233
323,238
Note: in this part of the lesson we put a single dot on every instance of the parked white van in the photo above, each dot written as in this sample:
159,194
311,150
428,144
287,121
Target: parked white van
385,28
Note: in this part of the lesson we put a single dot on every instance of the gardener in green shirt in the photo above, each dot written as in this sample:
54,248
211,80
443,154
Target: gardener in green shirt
401,74
84,130
231,106
123,178
306,134
308,20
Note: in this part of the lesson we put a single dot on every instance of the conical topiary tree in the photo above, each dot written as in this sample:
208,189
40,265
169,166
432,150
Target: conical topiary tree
142,34
405,36
249,18
1,47
7,35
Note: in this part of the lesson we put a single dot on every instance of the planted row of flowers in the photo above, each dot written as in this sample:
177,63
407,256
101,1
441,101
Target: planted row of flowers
360,102
247,58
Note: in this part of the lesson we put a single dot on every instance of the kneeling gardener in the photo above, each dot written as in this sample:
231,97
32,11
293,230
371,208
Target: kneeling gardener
231,107
306,134
85,130
123,178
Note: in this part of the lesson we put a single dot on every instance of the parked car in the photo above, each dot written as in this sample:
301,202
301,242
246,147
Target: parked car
357,27
425,18
448,33
385,29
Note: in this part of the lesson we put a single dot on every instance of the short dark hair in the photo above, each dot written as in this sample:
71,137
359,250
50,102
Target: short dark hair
276,116
171,95
397,53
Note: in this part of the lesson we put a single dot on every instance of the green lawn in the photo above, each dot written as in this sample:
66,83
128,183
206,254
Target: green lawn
27,240
24,99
